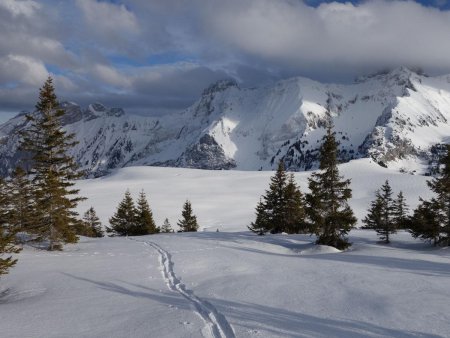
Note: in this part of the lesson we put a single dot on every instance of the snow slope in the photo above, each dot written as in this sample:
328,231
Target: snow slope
226,200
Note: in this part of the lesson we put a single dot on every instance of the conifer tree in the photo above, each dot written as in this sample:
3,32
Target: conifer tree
92,224
261,224
431,219
401,211
295,208
166,227
188,223
123,222
281,209
425,224
381,216
327,203
21,211
144,217
7,235
53,171
275,200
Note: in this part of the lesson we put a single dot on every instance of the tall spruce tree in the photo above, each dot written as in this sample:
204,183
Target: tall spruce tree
431,219
327,203
145,224
123,223
53,171
166,227
92,224
188,223
7,234
381,216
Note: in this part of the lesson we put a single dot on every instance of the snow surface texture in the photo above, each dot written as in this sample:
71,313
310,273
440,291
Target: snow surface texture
228,284
211,284
397,118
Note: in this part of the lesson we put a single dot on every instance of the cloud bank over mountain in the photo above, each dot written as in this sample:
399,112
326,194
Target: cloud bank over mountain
158,56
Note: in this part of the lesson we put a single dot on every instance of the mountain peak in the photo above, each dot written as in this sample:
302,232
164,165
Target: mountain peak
399,73
220,86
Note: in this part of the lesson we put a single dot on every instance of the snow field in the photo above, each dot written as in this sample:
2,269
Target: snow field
230,283
226,200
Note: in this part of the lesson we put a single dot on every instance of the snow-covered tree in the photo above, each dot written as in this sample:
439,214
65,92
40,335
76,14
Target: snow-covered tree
166,227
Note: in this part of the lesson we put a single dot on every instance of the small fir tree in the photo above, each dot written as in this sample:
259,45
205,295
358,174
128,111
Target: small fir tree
166,227
281,209
401,211
261,224
92,224
381,216
330,215
144,217
123,221
53,171
188,223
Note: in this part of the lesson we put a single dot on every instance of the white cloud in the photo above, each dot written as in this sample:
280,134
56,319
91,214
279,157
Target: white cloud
22,69
26,8
107,21
99,49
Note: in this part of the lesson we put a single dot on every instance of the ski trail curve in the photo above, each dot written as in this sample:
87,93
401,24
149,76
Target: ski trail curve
216,325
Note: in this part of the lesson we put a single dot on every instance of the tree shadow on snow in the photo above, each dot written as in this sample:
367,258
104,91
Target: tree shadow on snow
284,323
256,318
137,291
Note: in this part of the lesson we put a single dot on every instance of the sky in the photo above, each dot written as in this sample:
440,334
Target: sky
154,56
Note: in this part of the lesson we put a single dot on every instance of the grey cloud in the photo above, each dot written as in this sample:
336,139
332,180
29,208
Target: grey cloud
82,43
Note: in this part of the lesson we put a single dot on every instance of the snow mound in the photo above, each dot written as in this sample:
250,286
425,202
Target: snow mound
318,250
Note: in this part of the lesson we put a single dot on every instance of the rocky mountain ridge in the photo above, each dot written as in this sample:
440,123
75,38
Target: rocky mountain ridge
398,118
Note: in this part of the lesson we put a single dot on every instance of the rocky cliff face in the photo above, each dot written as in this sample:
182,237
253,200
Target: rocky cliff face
398,118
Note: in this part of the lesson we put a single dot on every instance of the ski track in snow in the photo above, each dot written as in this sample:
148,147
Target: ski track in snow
217,325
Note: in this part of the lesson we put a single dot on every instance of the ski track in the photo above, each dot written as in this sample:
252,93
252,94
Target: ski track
216,325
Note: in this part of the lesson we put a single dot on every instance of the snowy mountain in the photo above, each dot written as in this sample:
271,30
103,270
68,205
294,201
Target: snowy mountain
398,118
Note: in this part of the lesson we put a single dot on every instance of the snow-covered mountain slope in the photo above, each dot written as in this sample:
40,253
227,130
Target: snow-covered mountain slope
398,118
